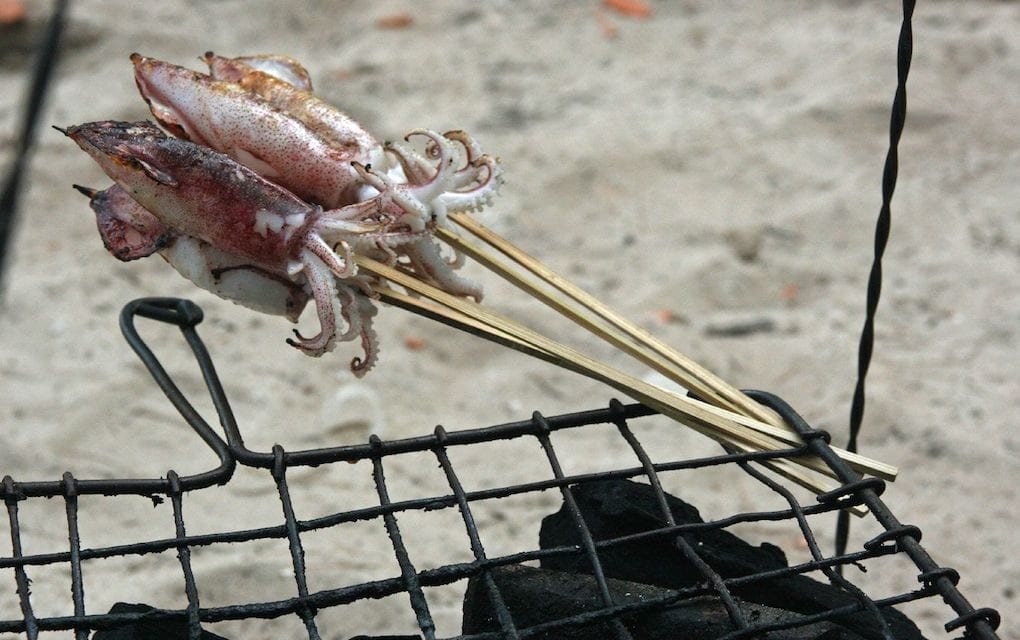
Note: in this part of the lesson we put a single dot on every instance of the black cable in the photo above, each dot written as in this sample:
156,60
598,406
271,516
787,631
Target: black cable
44,65
882,227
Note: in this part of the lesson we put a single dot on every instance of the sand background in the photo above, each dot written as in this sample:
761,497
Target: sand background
714,165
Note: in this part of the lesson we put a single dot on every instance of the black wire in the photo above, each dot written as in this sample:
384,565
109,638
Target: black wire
44,65
882,227
896,538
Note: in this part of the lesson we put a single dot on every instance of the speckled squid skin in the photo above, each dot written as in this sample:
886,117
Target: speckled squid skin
129,232
338,129
226,117
199,192
290,136
283,67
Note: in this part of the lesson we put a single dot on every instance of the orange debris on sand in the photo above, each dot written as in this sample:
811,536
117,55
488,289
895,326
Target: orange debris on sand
12,12
414,343
395,21
633,8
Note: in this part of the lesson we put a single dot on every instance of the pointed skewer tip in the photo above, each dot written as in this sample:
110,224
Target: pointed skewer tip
90,193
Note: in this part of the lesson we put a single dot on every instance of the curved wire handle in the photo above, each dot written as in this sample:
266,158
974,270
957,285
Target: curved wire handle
185,315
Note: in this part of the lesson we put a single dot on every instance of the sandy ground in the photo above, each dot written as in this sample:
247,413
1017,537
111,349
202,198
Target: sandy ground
711,166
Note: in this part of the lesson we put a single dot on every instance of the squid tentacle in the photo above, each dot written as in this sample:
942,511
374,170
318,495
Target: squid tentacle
417,169
365,310
481,195
472,153
327,305
345,269
471,146
348,303
457,260
445,173
446,187
428,262
416,214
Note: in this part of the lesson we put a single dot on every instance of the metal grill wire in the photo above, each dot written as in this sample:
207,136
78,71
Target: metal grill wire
897,119
896,539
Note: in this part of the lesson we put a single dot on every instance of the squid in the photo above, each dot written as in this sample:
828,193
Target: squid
264,247
264,193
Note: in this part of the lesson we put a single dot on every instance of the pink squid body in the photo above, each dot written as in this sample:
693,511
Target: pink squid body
285,68
336,128
224,116
131,232
185,183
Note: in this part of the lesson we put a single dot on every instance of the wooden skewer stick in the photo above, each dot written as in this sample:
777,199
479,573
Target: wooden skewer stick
468,323
694,377
717,423
672,364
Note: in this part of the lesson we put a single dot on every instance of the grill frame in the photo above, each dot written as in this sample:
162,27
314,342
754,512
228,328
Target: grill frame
231,453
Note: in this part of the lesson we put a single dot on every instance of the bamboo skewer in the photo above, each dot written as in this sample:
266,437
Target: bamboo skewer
666,360
720,411
693,376
717,423
784,466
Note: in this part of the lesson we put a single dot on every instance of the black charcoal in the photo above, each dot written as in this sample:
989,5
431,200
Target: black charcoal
158,628
539,596
617,508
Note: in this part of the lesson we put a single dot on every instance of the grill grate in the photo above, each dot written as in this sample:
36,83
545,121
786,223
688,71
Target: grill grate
310,599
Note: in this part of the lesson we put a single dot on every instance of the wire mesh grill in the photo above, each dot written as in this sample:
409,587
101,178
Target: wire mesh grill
471,514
